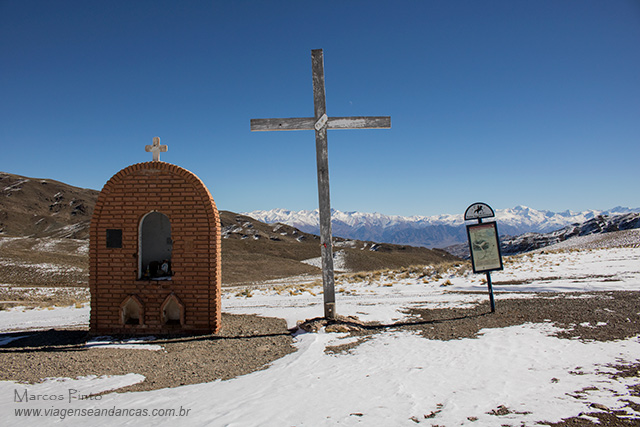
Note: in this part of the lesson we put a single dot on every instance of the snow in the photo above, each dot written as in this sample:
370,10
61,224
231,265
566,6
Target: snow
393,378
42,267
16,186
20,319
599,240
339,261
521,217
129,344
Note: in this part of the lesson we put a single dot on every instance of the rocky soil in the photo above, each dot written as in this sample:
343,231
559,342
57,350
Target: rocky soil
245,344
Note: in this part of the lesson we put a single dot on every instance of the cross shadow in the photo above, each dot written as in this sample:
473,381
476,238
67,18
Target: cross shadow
376,327
428,322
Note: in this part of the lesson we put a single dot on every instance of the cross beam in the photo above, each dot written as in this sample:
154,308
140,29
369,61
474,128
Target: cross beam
156,149
308,123
320,123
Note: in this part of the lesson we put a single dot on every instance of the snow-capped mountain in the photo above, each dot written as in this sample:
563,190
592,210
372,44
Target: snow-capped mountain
429,231
526,242
599,225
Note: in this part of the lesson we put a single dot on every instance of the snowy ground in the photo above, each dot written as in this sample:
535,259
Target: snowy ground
395,378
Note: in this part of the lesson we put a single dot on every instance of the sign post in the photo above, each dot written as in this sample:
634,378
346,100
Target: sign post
484,244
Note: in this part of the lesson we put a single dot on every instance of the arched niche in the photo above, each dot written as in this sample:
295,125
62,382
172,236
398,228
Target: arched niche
132,311
155,246
172,311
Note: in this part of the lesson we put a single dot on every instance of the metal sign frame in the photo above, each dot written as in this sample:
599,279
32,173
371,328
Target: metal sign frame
484,246
478,211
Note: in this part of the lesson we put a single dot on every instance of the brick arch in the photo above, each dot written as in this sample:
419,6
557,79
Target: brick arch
123,202
189,176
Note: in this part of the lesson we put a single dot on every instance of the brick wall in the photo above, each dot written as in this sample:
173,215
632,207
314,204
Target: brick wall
195,261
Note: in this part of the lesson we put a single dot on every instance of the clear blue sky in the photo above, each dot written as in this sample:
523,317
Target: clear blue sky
506,102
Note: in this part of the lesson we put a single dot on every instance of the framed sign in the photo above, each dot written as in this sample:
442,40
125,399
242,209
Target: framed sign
485,247
477,211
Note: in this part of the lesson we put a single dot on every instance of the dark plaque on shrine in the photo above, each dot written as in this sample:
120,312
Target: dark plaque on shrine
114,238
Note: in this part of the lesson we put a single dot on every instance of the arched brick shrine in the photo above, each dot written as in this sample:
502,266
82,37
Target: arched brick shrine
154,253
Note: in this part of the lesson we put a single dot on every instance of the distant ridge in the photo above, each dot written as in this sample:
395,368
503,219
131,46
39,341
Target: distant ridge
429,231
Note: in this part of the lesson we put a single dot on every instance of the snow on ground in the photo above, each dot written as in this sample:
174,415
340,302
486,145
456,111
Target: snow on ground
339,261
43,267
628,238
383,299
128,344
394,378
20,319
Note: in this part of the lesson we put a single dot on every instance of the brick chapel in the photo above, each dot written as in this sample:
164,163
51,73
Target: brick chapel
154,252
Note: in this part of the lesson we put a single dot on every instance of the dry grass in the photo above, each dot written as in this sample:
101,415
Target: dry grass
298,289
43,262
43,297
423,273
247,293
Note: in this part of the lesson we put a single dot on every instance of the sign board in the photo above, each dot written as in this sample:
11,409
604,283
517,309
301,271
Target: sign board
485,247
477,211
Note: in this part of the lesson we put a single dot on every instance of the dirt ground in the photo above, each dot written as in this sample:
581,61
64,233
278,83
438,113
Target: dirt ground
244,345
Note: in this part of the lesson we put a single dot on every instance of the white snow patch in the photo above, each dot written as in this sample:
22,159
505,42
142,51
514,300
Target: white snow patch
339,261
21,319
129,344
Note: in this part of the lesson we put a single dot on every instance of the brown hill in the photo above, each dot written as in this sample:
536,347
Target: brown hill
52,219
44,208
252,248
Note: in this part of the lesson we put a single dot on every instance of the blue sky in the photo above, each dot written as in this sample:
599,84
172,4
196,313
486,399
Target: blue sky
506,102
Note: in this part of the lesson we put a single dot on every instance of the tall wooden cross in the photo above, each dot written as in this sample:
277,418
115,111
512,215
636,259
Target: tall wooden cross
320,123
156,149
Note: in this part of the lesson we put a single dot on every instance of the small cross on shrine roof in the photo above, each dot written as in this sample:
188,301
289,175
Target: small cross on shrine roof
156,149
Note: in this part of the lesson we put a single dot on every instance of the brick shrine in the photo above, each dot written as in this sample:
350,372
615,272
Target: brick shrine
154,253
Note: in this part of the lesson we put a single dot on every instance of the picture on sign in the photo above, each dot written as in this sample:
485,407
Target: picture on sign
477,211
485,247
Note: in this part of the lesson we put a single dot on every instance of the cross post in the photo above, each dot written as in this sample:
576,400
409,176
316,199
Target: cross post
156,149
320,123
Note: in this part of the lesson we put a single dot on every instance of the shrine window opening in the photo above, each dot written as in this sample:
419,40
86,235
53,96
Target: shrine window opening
155,247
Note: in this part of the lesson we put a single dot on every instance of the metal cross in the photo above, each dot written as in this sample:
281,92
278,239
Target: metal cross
156,149
320,123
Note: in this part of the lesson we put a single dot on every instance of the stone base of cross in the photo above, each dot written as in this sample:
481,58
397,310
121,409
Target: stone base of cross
320,123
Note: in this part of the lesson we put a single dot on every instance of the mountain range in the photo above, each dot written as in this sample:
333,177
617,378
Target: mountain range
438,231
52,218
600,225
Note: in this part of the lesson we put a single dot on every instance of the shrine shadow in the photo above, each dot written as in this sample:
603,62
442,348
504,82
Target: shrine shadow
53,340
70,340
